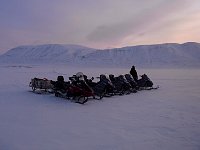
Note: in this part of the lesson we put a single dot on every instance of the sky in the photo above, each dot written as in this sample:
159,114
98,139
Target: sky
98,23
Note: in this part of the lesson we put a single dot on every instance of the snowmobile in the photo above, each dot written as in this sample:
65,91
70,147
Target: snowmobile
77,90
122,86
103,88
125,85
117,85
145,83
132,82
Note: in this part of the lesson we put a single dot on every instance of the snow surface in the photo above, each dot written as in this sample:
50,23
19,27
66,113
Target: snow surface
49,53
168,55
167,118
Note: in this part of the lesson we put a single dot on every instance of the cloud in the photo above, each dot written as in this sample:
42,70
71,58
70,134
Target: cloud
139,23
99,24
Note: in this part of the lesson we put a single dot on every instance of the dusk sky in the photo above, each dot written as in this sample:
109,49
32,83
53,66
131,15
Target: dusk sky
98,23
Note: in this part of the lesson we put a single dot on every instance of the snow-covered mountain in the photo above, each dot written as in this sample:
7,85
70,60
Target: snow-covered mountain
50,53
159,55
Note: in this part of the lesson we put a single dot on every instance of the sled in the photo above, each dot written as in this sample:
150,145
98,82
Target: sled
38,84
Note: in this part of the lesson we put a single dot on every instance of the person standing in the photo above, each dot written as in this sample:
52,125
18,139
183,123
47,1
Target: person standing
134,74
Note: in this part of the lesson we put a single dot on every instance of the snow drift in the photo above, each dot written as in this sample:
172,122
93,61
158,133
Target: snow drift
160,55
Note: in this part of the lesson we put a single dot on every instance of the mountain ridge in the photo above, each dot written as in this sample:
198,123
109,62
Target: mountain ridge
155,55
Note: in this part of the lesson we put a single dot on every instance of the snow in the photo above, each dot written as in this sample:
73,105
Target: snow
167,118
49,53
169,55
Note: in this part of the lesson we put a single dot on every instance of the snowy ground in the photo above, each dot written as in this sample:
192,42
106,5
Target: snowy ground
167,118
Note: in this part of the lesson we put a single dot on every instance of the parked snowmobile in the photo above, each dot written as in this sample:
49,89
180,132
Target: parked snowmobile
71,90
122,86
145,83
60,84
103,88
117,84
60,87
125,85
132,82
79,89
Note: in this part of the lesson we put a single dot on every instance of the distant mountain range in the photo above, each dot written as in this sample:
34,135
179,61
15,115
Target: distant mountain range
159,55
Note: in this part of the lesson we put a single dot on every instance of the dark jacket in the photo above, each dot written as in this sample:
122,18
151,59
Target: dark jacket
134,74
